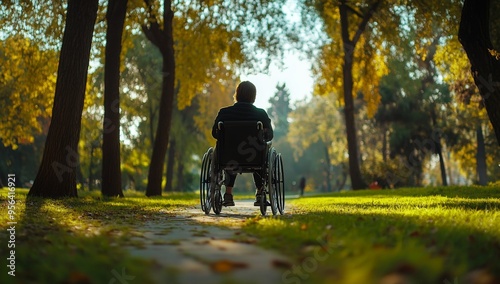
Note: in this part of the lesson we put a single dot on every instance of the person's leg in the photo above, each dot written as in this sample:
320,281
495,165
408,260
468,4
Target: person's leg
228,196
259,184
257,179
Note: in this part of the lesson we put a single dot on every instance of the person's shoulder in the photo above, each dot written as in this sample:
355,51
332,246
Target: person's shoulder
223,109
261,111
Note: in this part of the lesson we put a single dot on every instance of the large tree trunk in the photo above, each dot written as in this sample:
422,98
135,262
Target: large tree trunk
56,176
163,39
349,46
170,166
481,157
111,172
474,35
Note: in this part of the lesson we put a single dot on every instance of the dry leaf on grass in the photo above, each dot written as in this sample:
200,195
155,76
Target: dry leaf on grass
76,277
224,266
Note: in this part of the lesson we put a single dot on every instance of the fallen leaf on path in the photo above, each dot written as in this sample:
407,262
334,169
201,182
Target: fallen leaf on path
224,266
77,277
281,264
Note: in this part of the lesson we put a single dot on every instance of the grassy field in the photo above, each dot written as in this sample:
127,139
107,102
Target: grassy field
78,240
421,235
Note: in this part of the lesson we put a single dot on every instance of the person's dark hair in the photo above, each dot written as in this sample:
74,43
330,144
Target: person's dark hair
245,92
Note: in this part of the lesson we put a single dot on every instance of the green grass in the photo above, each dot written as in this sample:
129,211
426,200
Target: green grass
79,240
421,235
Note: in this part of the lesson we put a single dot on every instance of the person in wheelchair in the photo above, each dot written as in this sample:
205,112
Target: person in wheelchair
243,110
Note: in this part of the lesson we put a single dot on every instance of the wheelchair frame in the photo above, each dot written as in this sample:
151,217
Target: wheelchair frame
265,159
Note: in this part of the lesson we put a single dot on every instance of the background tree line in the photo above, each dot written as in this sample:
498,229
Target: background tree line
130,104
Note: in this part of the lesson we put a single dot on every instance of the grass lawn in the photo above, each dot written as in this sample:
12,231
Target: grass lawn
421,235
77,240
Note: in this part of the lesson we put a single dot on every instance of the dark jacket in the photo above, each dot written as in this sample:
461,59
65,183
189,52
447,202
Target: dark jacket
244,112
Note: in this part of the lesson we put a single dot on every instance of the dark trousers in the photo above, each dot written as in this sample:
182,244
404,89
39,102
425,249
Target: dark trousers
257,179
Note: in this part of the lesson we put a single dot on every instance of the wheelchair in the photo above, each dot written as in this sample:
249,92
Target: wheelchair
241,148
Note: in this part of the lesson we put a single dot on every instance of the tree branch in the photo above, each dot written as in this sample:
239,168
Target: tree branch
364,22
354,11
150,34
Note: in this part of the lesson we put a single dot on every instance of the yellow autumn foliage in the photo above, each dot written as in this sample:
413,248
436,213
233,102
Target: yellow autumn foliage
369,61
200,49
217,93
27,87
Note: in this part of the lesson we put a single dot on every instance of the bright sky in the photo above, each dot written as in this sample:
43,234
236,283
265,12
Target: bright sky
296,75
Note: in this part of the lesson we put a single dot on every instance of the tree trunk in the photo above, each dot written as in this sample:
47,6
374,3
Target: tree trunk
481,156
111,171
474,35
349,45
151,122
91,166
328,170
341,183
79,177
170,166
56,176
163,39
438,147
180,175
439,150
384,144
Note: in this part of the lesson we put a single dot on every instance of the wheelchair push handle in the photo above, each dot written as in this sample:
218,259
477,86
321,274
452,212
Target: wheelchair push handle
260,125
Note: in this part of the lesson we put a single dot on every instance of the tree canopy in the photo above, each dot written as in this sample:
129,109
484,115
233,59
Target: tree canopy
389,76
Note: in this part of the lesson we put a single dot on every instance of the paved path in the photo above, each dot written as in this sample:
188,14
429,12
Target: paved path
190,248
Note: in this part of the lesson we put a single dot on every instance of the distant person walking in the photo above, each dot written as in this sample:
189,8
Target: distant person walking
302,185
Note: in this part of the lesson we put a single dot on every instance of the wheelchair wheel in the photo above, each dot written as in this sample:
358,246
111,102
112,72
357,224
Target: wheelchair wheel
263,204
272,180
280,184
206,181
217,201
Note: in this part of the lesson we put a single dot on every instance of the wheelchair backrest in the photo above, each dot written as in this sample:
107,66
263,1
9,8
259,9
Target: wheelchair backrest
241,145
